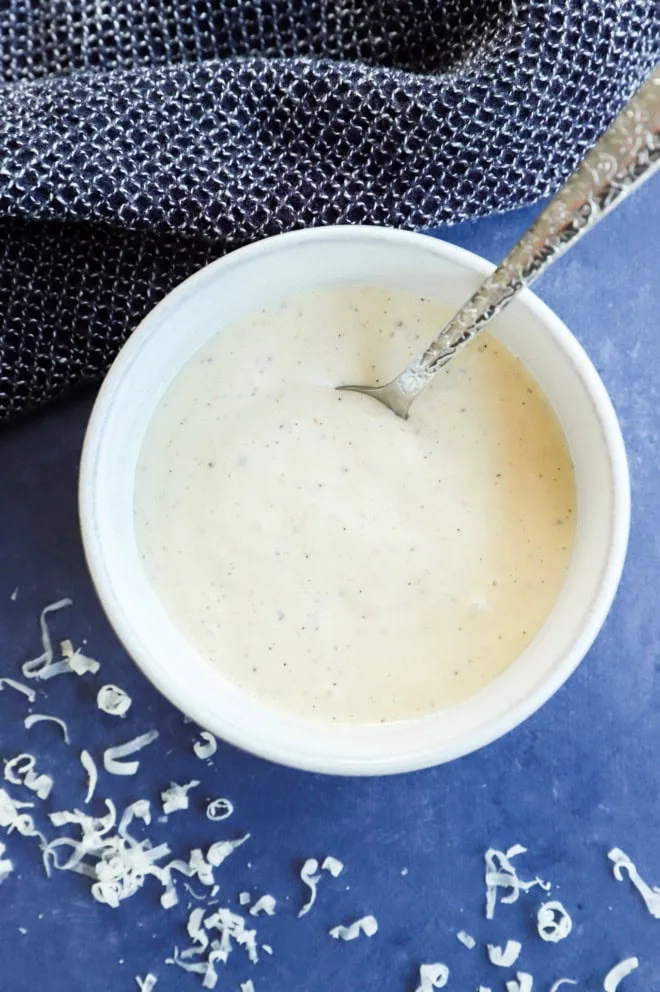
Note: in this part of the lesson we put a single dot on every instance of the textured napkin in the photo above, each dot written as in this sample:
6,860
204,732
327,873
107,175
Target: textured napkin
141,138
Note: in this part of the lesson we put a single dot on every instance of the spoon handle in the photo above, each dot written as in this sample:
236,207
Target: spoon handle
627,154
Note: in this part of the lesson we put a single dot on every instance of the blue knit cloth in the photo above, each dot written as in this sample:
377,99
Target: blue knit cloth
141,138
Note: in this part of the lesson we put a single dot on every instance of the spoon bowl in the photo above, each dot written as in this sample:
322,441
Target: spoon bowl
391,394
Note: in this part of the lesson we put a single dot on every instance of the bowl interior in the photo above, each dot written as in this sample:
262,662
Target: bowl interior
227,290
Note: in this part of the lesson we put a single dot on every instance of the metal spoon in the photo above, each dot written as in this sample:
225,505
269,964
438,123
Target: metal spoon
627,154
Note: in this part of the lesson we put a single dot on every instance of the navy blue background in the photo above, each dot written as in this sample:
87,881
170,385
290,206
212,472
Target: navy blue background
581,776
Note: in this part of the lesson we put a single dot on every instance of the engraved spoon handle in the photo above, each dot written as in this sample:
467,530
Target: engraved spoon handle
626,155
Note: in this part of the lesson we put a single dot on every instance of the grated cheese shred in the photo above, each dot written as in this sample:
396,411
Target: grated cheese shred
78,662
19,687
30,721
146,984
553,921
112,755
523,982
266,904
220,851
175,797
432,976
650,894
112,700
20,771
13,819
310,877
505,956
219,809
368,925
88,764
6,866
206,747
615,975
333,866
42,666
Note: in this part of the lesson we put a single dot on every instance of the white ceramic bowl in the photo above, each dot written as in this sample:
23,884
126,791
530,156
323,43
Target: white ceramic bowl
250,278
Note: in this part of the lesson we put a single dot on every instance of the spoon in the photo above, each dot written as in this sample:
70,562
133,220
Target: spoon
627,154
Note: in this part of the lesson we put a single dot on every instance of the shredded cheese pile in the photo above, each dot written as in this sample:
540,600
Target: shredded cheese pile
116,858
227,929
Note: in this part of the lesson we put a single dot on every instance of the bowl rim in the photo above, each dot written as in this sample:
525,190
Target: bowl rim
490,730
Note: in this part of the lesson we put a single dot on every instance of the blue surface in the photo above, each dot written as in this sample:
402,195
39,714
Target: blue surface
579,777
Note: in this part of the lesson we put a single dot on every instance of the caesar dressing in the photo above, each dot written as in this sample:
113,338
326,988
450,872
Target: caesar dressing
327,556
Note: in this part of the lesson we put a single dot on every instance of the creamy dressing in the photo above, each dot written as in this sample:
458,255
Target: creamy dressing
329,557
